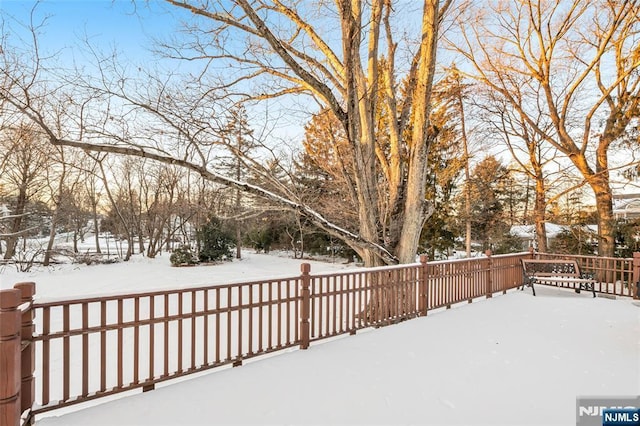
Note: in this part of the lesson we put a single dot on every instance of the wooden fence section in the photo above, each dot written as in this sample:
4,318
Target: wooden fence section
462,280
614,275
89,348
345,302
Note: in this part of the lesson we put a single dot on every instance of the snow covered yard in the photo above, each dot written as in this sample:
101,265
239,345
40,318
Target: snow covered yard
513,359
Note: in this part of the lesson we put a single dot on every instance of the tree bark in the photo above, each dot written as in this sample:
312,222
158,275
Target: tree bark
416,208
540,209
12,240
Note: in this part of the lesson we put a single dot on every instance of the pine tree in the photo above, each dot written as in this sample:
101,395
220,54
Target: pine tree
240,143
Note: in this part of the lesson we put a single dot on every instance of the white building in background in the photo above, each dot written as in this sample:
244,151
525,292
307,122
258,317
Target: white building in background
626,206
527,233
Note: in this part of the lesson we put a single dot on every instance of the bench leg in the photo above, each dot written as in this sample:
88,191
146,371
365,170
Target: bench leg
528,283
587,287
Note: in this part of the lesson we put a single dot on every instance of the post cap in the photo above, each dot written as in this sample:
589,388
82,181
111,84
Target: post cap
9,298
28,289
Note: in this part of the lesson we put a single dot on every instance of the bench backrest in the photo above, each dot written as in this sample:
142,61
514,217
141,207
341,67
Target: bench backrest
551,268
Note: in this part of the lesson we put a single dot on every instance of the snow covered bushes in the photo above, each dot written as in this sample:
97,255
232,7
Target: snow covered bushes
183,256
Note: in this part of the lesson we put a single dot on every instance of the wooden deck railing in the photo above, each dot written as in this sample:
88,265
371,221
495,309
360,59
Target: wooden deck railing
88,348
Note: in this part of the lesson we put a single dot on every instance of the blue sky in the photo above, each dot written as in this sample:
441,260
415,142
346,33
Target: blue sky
120,23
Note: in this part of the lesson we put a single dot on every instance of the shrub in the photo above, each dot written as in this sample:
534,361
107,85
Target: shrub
214,243
183,255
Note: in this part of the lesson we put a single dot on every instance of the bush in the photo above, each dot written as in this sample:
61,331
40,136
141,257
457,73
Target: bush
575,240
183,255
214,243
260,239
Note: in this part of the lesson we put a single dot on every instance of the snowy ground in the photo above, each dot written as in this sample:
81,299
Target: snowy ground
510,360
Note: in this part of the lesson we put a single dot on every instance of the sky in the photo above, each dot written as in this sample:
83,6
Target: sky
129,28
511,360
117,23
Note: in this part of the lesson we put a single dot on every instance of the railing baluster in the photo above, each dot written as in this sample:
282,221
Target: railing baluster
66,357
288,310
279,309
260,317
218,325
166,336
229,290
46,355
250,337
85,350
193,331
151,338
120,342
136,341
240,315
180,331
103,346
205,329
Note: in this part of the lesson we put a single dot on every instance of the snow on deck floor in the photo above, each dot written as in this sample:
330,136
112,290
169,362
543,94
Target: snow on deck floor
514,359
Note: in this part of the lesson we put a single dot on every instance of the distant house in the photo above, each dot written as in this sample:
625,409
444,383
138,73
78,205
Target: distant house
527,233
626,206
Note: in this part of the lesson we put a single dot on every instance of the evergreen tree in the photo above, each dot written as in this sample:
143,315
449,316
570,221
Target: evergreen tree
490,192
214,242
240,142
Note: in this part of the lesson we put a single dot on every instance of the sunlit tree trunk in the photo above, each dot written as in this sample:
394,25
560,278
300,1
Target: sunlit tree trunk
539,210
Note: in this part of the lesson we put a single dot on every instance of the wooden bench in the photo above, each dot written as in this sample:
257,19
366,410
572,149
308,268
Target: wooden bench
555,272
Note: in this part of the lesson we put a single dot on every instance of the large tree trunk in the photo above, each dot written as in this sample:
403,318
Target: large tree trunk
12,240
604,198
360,129
52,235
599,183
539,210
416,209
96,227
604,207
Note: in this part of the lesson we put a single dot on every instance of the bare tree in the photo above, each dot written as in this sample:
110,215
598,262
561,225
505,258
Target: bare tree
27,158
575,61
527,149
283,48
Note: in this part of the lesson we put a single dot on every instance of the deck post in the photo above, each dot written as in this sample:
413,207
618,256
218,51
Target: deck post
306,306
635,287
10,357
488,279
423,277
27,328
